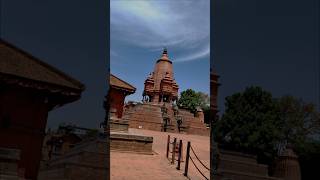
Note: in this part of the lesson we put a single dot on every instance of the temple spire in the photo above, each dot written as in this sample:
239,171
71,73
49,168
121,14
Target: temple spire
164,55
165,51
161,87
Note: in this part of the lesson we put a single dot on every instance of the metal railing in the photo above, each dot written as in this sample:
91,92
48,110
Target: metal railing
178,152
193,162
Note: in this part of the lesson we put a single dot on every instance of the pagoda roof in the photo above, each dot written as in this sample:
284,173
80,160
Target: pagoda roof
19,64
20,69
118,83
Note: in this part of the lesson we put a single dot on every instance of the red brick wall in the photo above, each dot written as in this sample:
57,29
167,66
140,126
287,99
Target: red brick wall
23,117
117,101
150,117
160,70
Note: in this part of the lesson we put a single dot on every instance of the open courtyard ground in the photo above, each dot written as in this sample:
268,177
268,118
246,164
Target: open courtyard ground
157,167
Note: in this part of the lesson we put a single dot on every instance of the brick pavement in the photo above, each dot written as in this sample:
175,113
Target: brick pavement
157,167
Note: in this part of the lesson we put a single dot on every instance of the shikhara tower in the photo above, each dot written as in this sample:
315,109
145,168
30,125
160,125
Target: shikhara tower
161,86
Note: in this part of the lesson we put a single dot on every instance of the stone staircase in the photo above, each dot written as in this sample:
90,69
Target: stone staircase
149,116
144,116
192,124
172,125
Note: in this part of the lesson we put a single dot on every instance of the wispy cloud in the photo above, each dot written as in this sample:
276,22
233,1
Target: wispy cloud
182,25
205,52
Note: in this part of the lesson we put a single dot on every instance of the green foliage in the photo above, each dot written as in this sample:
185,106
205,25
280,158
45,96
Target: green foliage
204,100
299,120
254,122
250,123
300,125
205,106
189,99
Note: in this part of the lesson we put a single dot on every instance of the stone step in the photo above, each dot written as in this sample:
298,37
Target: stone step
149,116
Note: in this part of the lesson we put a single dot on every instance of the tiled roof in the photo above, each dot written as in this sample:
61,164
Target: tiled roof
118,83
18,63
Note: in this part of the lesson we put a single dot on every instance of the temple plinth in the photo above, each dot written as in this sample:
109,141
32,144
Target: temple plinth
161,86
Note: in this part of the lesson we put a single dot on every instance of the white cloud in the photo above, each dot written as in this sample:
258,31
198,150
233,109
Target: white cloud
153,24
205,52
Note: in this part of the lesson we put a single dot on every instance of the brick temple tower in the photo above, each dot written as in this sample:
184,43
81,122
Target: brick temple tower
161,86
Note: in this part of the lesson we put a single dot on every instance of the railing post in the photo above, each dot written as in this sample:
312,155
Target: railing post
187,160
168,145
174,150
180,154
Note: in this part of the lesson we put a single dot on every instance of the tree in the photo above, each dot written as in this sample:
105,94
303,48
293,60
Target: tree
250,123
205,106
299,120
204,100
254,122
300,126
190,100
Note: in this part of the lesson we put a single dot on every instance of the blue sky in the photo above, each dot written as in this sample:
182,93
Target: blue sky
75,43
139,31
269,44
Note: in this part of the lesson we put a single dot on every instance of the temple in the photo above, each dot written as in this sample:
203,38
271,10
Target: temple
161,86
158,110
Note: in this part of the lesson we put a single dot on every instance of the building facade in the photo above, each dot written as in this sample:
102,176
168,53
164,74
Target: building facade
118,91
